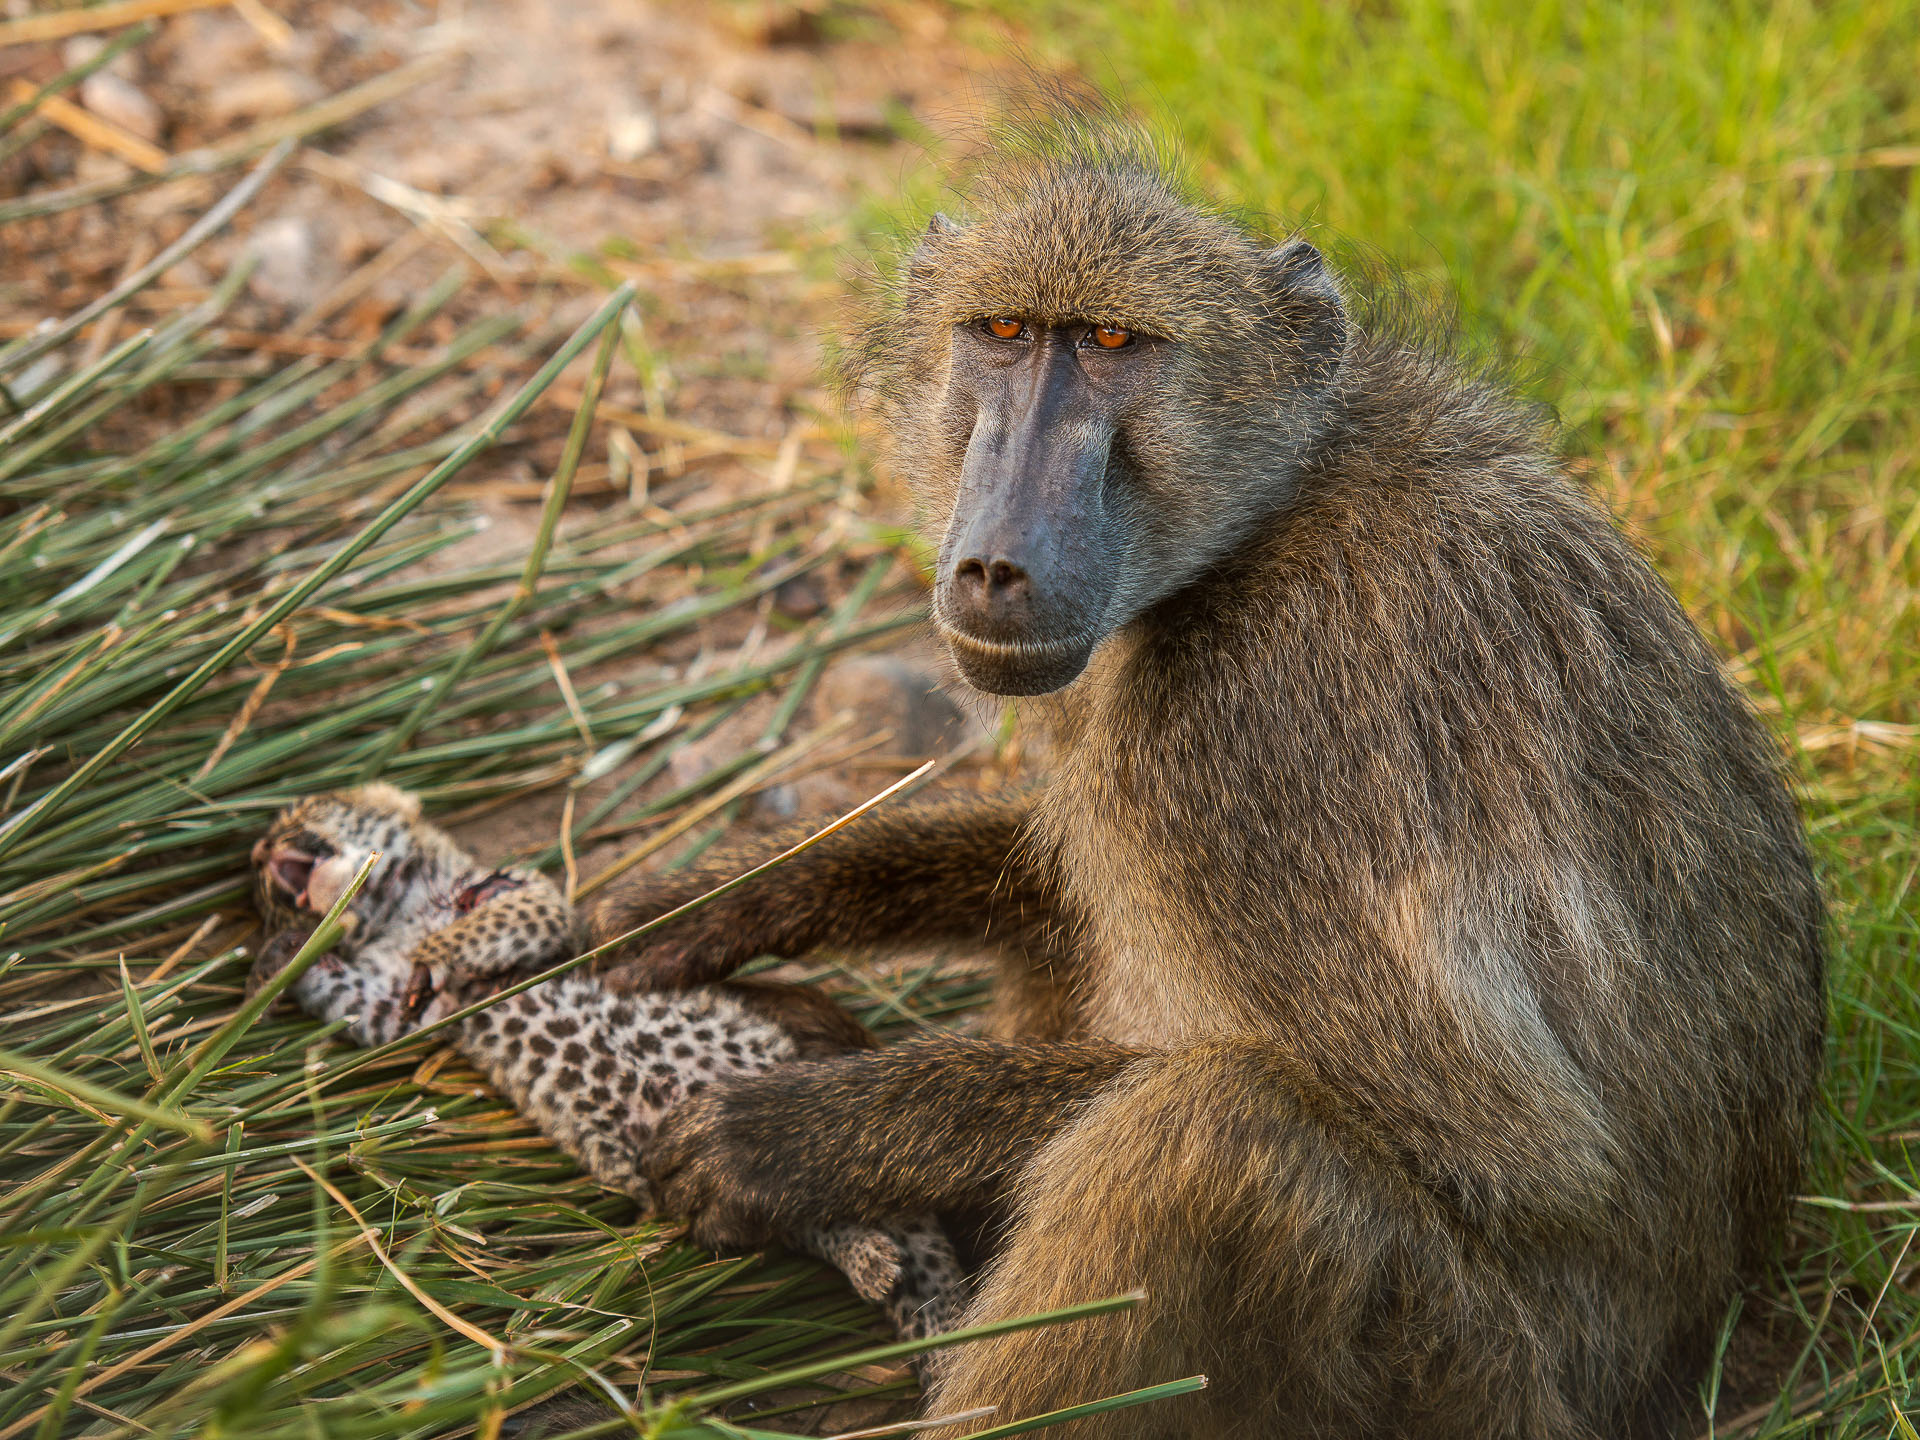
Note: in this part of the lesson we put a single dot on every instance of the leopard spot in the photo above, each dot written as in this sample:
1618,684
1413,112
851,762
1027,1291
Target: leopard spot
540,1045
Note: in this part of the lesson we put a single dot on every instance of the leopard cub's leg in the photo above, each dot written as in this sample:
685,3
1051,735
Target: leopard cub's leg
906,1268
560,1053
506,924
596,1070
340,985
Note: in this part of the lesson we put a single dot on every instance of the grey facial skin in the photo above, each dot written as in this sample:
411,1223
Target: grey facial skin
1032,558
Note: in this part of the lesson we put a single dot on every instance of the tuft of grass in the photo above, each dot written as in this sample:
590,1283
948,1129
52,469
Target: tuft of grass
1699,224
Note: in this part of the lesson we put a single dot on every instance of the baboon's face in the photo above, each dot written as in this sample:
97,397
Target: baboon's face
1035,549
1097,392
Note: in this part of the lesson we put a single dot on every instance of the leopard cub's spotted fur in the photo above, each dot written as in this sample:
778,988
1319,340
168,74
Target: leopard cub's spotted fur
432,931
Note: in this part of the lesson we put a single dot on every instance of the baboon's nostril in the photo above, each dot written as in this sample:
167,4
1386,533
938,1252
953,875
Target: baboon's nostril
990,593
998,573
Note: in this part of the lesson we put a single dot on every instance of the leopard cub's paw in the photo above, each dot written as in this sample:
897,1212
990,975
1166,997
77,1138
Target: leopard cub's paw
276,951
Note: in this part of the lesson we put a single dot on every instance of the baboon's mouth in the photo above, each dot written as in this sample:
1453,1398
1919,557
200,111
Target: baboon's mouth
1016,667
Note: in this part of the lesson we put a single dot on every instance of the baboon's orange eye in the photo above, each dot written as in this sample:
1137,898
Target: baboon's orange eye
1108,338
1005,327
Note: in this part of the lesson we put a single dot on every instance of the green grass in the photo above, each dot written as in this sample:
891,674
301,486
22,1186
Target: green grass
1699,226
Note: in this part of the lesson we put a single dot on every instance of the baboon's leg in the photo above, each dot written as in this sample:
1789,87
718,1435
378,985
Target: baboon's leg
953,868
1318,1292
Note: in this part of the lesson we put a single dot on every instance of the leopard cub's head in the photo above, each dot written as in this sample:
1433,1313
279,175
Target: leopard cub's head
317,845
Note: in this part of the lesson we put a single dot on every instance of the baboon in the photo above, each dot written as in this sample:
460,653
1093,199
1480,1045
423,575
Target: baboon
1413,965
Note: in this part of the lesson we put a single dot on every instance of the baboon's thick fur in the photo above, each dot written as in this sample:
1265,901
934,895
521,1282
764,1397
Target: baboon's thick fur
1414,964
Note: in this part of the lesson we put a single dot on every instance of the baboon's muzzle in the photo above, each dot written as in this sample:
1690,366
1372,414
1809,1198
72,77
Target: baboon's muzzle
1027,568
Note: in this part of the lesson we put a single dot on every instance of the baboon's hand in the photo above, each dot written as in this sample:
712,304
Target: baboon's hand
707,945
710,1163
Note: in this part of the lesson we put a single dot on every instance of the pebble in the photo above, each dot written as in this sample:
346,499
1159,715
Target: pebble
631,134
288,272
119,101
78,50
210,47
800,598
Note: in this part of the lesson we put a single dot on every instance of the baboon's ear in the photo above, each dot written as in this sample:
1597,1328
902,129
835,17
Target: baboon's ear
1308,302
924,264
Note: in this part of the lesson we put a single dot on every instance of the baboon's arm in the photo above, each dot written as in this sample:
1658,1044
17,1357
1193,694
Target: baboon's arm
951,868
928,1125
947,1124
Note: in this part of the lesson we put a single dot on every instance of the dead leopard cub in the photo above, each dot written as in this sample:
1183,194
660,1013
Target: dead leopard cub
432,931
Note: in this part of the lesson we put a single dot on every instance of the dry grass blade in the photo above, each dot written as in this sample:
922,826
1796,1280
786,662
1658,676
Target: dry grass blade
91,129
58,24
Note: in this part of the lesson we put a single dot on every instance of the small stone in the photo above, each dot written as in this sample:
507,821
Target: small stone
800,598
96,167
288,271
259,95
631,134
120,102
886,693
688,764
777,802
